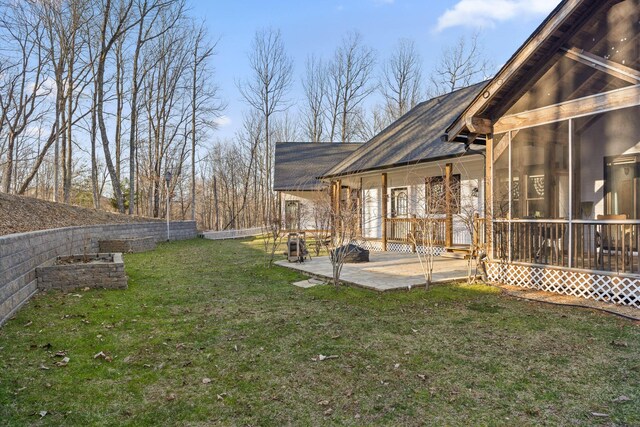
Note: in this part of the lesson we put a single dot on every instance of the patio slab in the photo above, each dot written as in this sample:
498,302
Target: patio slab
386,271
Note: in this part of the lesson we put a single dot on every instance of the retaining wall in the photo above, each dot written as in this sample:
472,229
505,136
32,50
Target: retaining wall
125,246
21,253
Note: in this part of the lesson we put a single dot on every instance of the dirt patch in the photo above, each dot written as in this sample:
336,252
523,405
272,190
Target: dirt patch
19,214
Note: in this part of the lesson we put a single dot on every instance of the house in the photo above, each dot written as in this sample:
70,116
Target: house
297,164
561,121
400,177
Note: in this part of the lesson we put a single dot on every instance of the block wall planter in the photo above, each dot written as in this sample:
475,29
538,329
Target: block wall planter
68,273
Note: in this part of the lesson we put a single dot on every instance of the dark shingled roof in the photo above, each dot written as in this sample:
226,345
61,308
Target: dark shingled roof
297,164
413,138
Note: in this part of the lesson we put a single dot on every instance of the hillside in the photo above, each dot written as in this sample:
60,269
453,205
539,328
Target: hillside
19,214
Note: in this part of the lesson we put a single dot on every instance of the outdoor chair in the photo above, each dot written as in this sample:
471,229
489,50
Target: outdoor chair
550,239
611,241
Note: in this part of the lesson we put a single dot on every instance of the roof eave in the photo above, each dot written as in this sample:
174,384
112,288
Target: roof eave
544,31
397,165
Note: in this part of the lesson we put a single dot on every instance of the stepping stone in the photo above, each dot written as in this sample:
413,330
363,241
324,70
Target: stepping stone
309,283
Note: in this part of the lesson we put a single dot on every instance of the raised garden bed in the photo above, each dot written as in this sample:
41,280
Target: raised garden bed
132,245
67,273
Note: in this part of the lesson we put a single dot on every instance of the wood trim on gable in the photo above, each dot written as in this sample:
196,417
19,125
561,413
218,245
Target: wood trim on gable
613,100
526,51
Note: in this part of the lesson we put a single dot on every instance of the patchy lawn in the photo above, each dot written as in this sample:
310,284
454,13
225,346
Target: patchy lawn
206,335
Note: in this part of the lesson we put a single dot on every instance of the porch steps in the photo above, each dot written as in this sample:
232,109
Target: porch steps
457,252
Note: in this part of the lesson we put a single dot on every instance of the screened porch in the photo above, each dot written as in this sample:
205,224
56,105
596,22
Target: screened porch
566,193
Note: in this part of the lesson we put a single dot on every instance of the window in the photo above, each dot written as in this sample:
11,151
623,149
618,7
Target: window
621,186
399,202
435,194
292,215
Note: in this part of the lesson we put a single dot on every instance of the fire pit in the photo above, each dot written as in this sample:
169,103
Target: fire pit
352,253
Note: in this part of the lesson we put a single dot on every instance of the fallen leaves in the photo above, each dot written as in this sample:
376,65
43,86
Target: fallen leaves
64,362
621,399
206,380
322,358
619,344
103,355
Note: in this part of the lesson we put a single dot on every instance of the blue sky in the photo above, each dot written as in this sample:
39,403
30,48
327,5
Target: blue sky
318,26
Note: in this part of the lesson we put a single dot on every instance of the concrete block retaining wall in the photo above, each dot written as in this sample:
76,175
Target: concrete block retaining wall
21,253
126,246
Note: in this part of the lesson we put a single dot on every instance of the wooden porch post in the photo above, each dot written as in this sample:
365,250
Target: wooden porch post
338,197
360,210
383,206
332,206
488,197
448,173
280,196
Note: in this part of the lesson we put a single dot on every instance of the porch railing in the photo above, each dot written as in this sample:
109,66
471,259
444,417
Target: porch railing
603,245
411,230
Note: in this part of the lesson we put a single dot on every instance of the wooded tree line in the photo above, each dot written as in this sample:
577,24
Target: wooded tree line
336,107
102,97
103,93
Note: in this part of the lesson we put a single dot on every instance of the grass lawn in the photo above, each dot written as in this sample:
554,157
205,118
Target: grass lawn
205,335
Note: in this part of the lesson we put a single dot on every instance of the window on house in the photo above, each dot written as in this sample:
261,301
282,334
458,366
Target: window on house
292,215
399,202
435,194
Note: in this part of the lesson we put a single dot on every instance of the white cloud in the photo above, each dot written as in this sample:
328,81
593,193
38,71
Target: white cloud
222,121
485,13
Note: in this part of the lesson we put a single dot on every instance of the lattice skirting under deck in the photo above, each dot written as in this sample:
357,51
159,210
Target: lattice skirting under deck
600,286
376,246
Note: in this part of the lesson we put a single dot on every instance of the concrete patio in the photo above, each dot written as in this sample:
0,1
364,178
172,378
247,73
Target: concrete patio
386,271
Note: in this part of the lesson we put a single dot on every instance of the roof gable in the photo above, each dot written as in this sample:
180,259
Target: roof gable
413,138
544,48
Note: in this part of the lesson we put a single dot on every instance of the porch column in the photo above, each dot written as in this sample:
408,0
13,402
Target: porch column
332,206
338,197
448,173
280,218
360,210
383,209
488,197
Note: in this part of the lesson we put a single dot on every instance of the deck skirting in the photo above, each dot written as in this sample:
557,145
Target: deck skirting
622,289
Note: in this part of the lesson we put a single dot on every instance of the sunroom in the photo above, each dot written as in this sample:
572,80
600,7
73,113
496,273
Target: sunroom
563,149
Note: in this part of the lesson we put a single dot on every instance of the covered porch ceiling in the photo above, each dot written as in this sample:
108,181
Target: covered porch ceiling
582,49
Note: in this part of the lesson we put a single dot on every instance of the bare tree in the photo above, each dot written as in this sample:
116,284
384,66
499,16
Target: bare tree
349,84
116,21
24,82
344,218
314,83
148,29
266,90
460,65
428,230
205,102
401,80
